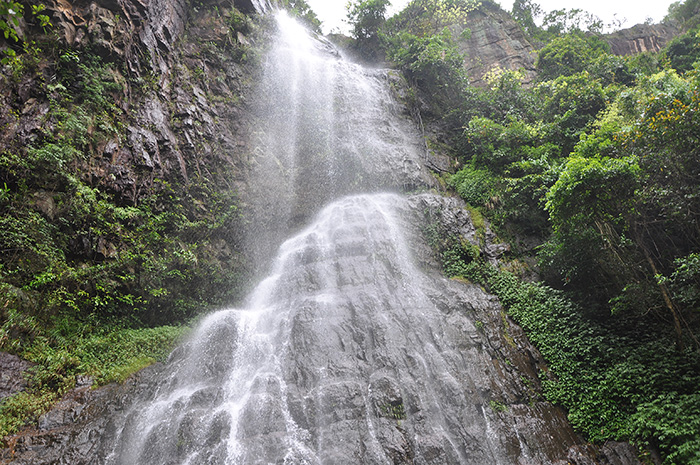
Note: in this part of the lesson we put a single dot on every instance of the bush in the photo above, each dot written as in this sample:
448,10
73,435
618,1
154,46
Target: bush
475,186
619,379
568,55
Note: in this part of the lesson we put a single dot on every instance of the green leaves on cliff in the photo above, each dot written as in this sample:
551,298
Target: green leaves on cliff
425,18
12,12
432,62
73,349
96,256
618,378
597,160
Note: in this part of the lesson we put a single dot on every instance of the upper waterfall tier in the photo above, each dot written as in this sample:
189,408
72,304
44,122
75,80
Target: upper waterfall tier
325,128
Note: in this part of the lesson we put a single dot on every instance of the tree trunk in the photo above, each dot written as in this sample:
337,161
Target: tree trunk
664,291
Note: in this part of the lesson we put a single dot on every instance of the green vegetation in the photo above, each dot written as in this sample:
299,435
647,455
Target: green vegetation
498,406
105,354
394,410
10,14
618,378
303,11
367,17
597,162
100,271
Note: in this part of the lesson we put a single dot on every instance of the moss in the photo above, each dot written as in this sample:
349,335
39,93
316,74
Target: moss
106,355
498,406
478,221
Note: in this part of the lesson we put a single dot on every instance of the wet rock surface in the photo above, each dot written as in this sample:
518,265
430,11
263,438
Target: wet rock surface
370,374
347,365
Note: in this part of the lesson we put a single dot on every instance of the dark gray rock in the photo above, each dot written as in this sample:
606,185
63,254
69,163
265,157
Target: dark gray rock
75,430
12,370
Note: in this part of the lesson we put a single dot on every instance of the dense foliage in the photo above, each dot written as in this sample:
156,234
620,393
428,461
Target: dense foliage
97,282
367,17
618,378
597,162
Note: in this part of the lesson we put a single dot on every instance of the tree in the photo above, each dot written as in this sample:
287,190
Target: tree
684,51
569,54
525,12
627,205
684,12
303,11
433,63
570,104
574,20
428,17
366,18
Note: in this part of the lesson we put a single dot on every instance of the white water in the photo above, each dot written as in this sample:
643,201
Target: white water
326,128
345,353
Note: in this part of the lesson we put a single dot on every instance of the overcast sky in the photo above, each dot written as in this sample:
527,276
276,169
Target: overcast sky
332,12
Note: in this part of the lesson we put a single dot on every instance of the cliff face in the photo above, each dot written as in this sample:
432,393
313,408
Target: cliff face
176,107
140,105
496,42
641,38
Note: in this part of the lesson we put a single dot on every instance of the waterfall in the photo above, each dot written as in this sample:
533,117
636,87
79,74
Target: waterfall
345,352
261,6
326,128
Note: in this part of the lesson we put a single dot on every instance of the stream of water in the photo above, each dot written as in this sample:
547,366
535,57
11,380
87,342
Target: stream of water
346,352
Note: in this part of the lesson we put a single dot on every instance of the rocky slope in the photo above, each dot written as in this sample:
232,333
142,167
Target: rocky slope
182,74
183,125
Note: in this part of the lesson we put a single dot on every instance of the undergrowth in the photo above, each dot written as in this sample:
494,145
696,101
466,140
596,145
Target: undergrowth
104,355
619,378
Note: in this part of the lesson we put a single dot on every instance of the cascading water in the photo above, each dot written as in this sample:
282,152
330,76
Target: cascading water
346,353
326,128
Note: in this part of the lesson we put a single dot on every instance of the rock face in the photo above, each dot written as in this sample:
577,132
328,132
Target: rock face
180,101
73,431
641,38
189,122
496,42
12,370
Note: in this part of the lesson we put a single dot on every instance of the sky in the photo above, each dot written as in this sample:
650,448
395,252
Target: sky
332,12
